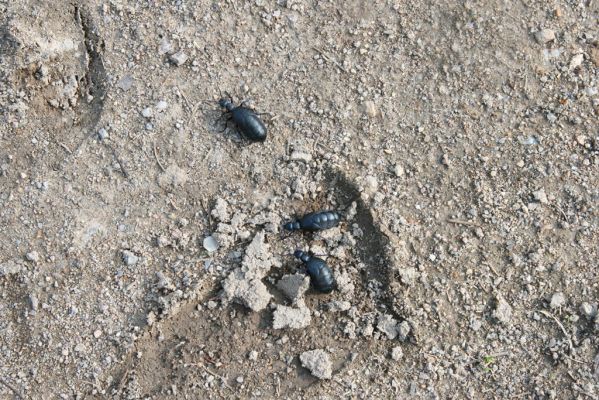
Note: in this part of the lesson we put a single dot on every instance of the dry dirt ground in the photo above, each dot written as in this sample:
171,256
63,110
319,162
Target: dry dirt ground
459,141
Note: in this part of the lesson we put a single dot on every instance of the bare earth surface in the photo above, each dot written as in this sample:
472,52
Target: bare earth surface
458,140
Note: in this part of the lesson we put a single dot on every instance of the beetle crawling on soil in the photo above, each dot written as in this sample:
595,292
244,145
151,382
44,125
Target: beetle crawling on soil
246,120
316,221
320,274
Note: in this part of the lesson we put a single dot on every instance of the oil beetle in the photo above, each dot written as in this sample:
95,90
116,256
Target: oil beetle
246,120
320,274
316,221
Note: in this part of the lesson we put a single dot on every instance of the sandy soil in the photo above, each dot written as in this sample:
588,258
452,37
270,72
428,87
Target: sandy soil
458,140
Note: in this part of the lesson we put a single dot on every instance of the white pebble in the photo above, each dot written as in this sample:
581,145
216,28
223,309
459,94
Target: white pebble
545,35
32,256
147,112
576,61
161,105
396,353
210,244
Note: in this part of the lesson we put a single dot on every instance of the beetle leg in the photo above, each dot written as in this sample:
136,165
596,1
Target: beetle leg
226,122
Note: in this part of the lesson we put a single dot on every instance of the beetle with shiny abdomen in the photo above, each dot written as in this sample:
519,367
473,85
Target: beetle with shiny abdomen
321,276
315,221
246,120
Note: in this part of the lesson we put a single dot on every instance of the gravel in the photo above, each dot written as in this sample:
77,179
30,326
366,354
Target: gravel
588,310
318,363
388,325
289,317
129,258
294,286
502,311
545,35
396,353
557,300
210,244
179,58
476,130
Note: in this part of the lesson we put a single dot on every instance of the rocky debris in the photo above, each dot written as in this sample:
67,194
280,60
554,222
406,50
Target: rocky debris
345,283
388,325
33,302
102,134
253,355
270,220
126,82
318,363
289,317
161,106
221,210
370,108
179,58
151,318
252,293
502,311
147,112
588,310
210,244
545,35
404,330
172,177
301,156
396,353
576,61
129,258
339,305
398,170
294,286
557,300
32,256
10,267
371,185
244,284
163,283
540,196
408,275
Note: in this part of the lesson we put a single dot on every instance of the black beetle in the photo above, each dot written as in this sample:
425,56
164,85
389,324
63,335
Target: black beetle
316,221
247,121
321,275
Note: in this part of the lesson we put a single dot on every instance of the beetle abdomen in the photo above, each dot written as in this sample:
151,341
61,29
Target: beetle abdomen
320,220
249,124
321,275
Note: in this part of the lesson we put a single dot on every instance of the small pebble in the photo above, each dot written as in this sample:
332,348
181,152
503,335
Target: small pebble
370,108
147,112
161,105
97,333
178,58
129,258
502,311
301,156
399,171
545,35
540,196
212,305
396,353
32,256
253,356
557,300
210,244
576,61
102,134
588,310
